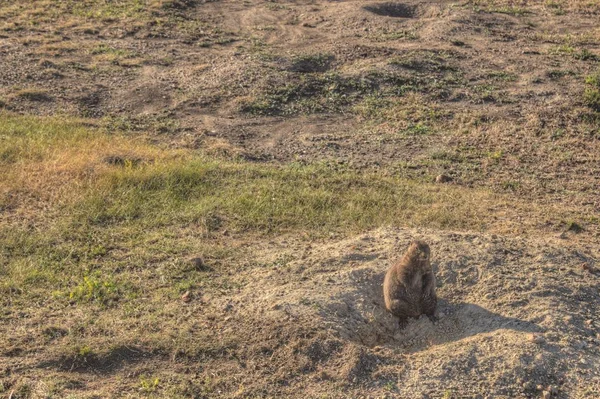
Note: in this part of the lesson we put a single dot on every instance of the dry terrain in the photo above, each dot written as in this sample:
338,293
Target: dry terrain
200,198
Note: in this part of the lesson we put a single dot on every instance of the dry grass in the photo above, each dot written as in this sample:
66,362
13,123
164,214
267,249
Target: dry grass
550,6
98,217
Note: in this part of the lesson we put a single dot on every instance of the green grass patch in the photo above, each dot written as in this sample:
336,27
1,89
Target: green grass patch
146,209
510,10
95,289
247,197
332,92
27,138
593,80
591,95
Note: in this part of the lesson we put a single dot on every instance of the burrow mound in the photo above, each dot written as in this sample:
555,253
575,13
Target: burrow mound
517,311
395,10
359,316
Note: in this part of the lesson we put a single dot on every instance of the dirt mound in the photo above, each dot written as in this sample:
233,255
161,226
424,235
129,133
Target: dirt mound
514,311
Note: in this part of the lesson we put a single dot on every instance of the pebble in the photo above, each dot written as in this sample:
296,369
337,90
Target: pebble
186,297
443,179
546,395
536,339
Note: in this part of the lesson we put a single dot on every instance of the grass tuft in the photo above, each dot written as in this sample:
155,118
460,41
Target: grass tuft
591,95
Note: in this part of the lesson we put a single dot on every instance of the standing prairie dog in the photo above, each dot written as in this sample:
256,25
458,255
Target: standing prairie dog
409,285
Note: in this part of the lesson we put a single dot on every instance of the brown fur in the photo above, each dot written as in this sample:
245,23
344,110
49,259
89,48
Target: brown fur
409,285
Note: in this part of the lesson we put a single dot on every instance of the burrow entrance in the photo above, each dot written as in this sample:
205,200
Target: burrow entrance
395,10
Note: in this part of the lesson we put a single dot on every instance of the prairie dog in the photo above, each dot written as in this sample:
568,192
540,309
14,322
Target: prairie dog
409,285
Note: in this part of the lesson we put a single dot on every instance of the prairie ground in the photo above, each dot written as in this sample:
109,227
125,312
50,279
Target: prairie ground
199,199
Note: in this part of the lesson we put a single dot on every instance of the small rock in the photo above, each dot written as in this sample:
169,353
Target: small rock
186,297
536,339
528,386
568,319
539,387
443,179
546,395
589,322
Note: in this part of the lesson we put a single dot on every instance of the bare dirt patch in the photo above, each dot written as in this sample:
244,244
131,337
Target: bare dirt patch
510,312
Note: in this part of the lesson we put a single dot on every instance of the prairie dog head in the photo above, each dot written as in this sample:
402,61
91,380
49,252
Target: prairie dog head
419,251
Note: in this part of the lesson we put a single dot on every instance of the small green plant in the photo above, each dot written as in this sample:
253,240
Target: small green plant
564,49
586,55
593,80
83,351
574,227
555,7
510,185
557,74
448,394
516,11
504,76
583,54
148,384
92,289
417,129
105,49
386,35
591,95
496,155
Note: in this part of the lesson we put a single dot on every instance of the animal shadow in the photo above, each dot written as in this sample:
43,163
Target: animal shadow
455,321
